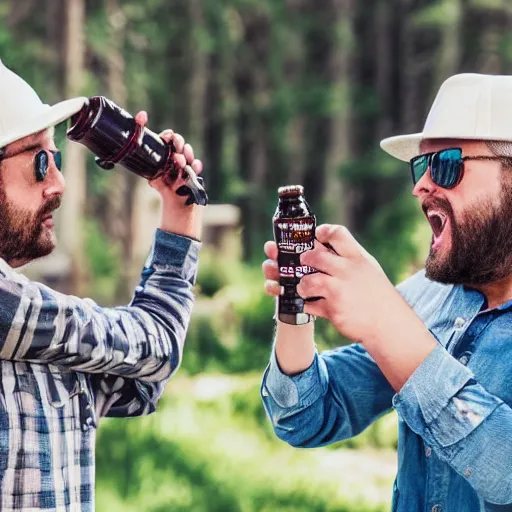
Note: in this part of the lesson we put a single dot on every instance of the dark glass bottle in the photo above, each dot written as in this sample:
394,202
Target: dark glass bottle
113,135
294,233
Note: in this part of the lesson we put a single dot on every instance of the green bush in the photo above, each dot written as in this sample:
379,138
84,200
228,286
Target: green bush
104,263
215,272
205,451
233,329
204,349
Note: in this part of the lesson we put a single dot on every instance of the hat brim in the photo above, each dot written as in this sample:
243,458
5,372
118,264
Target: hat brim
403,147
51,116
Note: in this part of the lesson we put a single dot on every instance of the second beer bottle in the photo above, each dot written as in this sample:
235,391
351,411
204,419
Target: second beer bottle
294,233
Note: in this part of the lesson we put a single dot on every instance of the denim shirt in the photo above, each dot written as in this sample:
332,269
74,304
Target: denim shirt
454,411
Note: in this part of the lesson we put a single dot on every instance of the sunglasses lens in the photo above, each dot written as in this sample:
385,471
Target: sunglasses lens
41,165
419,167
446,167
57,157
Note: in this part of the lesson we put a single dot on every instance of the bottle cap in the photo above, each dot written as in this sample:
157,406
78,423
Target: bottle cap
290,191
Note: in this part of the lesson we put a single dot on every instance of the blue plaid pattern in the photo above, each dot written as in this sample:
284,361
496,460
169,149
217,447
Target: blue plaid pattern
65,362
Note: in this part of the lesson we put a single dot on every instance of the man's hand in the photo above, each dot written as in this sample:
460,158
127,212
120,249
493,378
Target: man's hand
176,216
271,270
356,295
294,344
358,299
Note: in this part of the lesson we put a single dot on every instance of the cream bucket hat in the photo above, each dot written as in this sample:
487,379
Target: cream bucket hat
467,106
22,113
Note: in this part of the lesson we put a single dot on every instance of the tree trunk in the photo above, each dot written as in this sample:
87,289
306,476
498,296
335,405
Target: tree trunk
73,204
252,90
123,184
383,65
198,77
338,142
327,63
449,53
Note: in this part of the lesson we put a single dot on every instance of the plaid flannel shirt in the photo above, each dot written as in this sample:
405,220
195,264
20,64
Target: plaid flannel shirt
65,362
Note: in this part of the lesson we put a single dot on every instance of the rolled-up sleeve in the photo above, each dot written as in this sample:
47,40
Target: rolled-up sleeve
338,396
466,426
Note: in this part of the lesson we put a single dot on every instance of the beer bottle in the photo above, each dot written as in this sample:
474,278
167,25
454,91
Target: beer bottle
294,233
113,135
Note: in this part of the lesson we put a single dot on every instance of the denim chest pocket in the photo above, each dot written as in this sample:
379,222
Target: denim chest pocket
40,398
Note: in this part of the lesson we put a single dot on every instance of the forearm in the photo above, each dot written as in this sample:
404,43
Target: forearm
337,397
400,344
294,346
144,340
182,220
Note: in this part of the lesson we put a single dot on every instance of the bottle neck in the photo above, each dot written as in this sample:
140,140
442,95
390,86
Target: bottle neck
290,200
294,206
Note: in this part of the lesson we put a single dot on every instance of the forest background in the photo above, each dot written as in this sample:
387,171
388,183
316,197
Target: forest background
268,92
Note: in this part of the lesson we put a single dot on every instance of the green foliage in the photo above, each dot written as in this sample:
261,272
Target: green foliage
233,329
217,271
103,258
205,450
442,13
205,348
387,228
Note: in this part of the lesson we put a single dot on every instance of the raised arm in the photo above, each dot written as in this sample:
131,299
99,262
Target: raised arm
143,340
315,399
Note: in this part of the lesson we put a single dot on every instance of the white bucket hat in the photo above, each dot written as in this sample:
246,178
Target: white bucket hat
467,106
22,113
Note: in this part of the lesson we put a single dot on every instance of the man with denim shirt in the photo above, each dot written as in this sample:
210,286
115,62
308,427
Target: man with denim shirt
65,362
438,348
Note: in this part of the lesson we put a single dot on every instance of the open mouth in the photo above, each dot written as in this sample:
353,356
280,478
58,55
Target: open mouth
47,220
437,220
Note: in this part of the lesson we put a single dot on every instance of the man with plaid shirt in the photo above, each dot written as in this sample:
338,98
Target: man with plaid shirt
65,362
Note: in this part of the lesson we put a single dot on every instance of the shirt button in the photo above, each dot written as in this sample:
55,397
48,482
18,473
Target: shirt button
464,359
428,451
436,508
467,473
459,323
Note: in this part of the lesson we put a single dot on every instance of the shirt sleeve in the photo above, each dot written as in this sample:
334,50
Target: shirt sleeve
119,397
143,340
466,426
337,397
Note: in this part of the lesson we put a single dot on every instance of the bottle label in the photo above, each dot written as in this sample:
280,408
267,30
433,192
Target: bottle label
293,237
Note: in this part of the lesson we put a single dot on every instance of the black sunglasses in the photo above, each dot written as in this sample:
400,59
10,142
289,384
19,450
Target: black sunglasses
446,166
41,161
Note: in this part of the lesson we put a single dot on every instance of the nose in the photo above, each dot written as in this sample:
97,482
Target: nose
54,181
424,186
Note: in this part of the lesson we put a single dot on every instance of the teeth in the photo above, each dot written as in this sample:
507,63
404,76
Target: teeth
437,221
433,213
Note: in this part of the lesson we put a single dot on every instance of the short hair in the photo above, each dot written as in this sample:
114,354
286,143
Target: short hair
503,149
500,148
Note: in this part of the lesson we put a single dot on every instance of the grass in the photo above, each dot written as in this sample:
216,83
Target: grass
209,449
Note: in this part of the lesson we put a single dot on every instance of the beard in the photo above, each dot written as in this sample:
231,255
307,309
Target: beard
481,243
22,234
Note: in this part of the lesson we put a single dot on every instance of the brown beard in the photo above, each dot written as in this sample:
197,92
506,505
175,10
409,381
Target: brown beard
22,235
481,250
